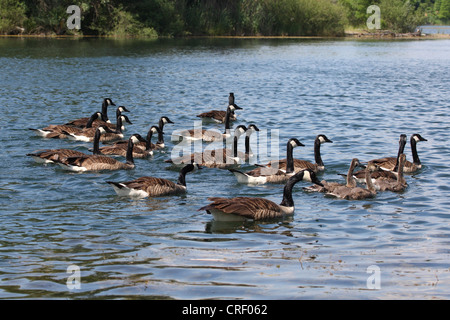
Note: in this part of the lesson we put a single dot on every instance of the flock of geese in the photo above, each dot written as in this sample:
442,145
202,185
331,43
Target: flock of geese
382,174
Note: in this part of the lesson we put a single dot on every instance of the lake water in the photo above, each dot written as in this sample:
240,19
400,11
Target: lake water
361,94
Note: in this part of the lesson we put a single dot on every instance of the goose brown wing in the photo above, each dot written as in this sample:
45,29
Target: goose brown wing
216,114
298,165
56,154
248,207
155,186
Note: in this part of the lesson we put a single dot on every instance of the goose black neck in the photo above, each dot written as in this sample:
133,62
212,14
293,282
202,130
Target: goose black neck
182,177
129,156
317,155
148,143
160,137
105,110
227,120
289,158
247,144
415,155
235,145
91,121
96,149
288,201
401,148
119,125
161,124
118,113
400,179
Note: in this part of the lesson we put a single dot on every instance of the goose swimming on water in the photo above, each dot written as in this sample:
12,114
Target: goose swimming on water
388,184
154,187
104,118
303,164
87,134
61,131
138,151
220,158
391,163
54,155
261,175
249,208
98,162
220,115
210,135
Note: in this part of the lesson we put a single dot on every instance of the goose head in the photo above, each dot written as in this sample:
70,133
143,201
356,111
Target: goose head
103,129
417,137
293,142
136,138
108,102
234,107
165,120
121,109
194,166
323,139
309,175
240,129
252,128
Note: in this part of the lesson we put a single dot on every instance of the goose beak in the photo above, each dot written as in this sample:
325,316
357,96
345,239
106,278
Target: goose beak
124,109
237,107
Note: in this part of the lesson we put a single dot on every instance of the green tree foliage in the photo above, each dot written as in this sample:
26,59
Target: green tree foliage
400,16
153,18
444,10
12,16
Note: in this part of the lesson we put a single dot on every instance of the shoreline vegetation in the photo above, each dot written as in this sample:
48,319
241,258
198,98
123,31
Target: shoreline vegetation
215,18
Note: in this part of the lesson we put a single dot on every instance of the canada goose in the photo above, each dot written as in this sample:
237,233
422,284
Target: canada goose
353,192
54,155
329,186
303,164
360,175
390,163
162,122
238,156
138,152
87,134
61,130
220,115
245,208
97,162
153,187
217,158
261,175
143,145
396,185
83,121
211,135
51,155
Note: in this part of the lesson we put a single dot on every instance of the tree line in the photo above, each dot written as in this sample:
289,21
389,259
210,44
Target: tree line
178,18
